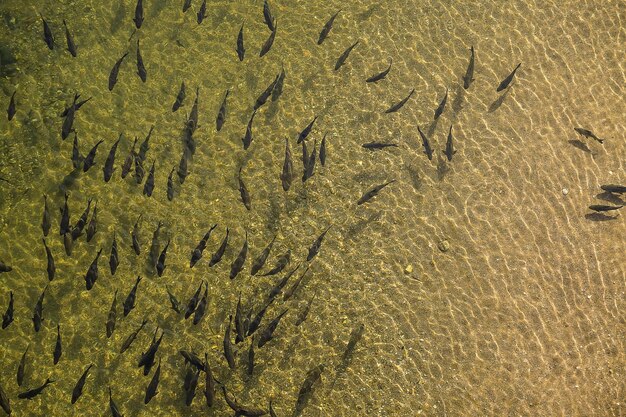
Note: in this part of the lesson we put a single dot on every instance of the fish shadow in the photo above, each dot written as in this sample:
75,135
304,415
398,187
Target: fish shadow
442,168
599,217
610,197
431,128
459,99
498,102
580,145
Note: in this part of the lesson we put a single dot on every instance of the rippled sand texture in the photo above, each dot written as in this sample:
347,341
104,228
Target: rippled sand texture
522,316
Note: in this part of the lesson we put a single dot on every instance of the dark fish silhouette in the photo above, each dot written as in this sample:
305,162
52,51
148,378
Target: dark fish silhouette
11,109
588,134
241,51
147,359
217,256
128,162
110,161
32,393
47,33
259,261
141,69
4,267
469,74
442,105
344,56
303,135
76,106
380,75
135,236
239,262
58,349
160,266
449,146
250,367
38,311
180,97
51,269
92,273
115,70
197,252
323,150
68,122
266,94
272,412
82,221
400,104
601,207
173,301
148,187
93,224
209,385
221,115
45,218
78,388
182,168
281,284
278,88
228,347
7,317
240,332
247,139
186,5
131,337
378,145
139,171
269,42
303,315
65,218
281,263
286,175
307,388
111,318
68,243
154,247
91,156
268,332
192,122
505,83
315,247
191,383
138,19
612,188
20,368
267,15
193,359
427,149
145,145
129,303
113,259
310,164
152,389
245,195
372,193
202,12
71,47
241,410
327,27
77,158
115,411
170,185
193,302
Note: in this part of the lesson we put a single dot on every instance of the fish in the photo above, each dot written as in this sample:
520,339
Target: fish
209,385
281,284
380,75
68,122
139,170
110,325
323,151
256,322
344,56
131,337
129,303
186,5
76,107
11,109
278,88
193,359
193,302
601,207
196,255
170,185
160,265
241,50
138,19
113,259
145,145
192,122
239,262
269,42
355,336
82,221
221,114
505,83
315,247
128,162
182,169
202,12
228,347
58,348
241,410
266,93
32,393
141,69
469,74
152,389
612,188
259,261
267,15
147,358
191,382
201,308
281,263
38,311
310,165
92,273
7,317
327,27
395,107
588,134
240,333
303,135
307,388
442,105
47,33
217,256
148,187
51,269
373,192
45,218
449,146
110,161
115,411
247,139
93,224
68,243
173,301
378,145
71,46
286,176
65,218
243,191
78,388
4,267
272,412
427,149
268,332
303,315
250,367
135,236
20,368
115,70
89,159
180,97
77,158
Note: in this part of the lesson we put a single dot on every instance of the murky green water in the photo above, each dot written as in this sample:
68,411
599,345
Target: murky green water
523,313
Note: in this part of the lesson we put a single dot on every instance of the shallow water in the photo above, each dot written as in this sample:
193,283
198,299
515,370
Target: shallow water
522,315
